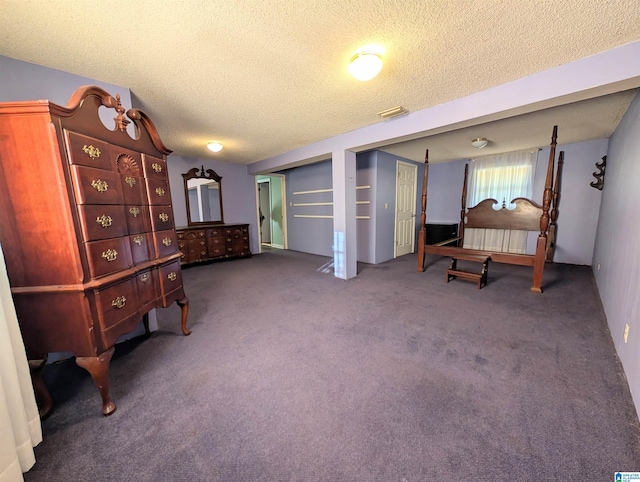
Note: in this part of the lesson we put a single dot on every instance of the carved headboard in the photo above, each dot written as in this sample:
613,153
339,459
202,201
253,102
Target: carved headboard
525,216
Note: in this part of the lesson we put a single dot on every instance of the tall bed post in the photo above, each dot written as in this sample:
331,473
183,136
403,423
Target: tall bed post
422,236
553,226
463,207
541,246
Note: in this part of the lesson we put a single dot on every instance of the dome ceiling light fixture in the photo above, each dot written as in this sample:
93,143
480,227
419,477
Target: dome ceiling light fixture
366,64
214,146
480,142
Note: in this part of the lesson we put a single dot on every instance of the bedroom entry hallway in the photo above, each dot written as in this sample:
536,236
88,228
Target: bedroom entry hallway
393,375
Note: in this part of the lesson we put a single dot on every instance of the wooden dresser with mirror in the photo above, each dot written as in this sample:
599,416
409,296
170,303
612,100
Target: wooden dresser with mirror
86,226
208,238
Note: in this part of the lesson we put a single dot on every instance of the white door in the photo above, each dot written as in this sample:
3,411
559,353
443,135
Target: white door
406,185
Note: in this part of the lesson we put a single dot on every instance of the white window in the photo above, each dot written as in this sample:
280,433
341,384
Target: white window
502,177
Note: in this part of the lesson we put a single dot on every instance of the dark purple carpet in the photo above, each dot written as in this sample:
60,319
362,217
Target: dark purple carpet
291,374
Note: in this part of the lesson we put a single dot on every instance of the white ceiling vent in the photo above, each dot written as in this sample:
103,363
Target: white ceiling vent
393,112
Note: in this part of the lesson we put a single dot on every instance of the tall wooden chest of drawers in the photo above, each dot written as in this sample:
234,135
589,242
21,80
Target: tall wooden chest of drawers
86,226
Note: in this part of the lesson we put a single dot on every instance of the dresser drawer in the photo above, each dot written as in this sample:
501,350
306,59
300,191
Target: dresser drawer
197,249
161,218
217,247
197,234
118,310
155,167
165,243
141,248
215,232
87,151
147,283
158,192
137,218
102,221
95,186
241,246
233,231
170,277
108,256
134,189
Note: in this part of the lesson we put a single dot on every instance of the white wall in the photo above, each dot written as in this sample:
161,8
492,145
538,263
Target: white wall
617,246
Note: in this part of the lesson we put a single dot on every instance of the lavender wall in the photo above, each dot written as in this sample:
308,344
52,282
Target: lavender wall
24,81
444,191
309,235
616,259
381,168
238,192
366,164
375,235
579,205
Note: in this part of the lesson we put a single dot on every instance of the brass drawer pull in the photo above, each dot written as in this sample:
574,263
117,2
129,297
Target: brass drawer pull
110,255
160,191
144,277
92,152
99,185
164,217
138,240
166,242
156,167
131,181
104,221
172,276
119,302
134,211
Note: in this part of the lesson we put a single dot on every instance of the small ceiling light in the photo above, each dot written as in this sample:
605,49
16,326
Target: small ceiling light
214,146
365,65
480,142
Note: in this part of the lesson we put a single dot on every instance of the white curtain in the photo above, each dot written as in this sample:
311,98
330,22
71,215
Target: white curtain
20,429
502,177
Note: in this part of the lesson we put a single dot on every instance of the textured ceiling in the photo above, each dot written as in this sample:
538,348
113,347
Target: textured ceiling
266,77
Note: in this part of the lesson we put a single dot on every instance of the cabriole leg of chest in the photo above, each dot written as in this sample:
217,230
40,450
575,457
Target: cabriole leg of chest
98,368
42,394
184,307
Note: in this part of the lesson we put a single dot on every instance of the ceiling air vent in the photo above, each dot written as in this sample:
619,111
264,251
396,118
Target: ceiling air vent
393,112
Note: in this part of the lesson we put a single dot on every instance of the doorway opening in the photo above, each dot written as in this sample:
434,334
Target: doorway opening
271,211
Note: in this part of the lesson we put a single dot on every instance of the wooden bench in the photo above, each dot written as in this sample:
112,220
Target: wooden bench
480,278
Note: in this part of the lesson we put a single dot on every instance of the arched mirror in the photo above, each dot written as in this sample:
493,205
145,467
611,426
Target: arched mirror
203,193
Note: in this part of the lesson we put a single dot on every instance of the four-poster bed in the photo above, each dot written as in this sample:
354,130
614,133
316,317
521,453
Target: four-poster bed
527,216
